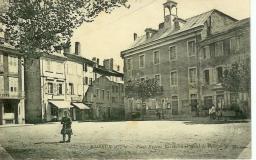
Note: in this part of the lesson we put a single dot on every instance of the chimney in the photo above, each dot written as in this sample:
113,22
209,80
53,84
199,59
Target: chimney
77,48
94,59
135,36
98,61
108,63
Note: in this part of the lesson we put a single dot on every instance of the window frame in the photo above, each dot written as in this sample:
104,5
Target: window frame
189,82
175,53
175,85
143,61
191,40
129,65
158,51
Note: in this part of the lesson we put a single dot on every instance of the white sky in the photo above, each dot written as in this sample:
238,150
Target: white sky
111,33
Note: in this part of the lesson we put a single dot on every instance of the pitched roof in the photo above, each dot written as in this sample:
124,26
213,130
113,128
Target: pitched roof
235,25
190,23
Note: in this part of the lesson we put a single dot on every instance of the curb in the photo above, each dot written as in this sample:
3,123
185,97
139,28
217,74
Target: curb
15,125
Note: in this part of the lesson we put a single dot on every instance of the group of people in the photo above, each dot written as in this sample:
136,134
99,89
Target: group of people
215,112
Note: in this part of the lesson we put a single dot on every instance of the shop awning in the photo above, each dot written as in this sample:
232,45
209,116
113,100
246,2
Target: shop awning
80,105
61,104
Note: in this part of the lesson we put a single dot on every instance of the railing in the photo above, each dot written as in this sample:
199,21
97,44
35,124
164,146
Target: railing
11,95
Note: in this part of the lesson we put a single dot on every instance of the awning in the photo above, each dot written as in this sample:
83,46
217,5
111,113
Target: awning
61,104
80,105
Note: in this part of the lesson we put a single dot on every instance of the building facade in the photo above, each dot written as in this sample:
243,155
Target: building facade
11,86
218,52
58,82
171,55
106,99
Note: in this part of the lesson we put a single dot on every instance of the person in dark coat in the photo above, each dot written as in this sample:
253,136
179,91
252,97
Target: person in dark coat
66,127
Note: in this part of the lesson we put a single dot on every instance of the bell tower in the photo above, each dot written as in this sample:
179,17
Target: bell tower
170,12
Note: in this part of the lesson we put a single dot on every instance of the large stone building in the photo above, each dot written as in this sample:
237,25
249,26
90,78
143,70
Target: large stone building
171,54
218,52
58,82
105,95
11,86
11,81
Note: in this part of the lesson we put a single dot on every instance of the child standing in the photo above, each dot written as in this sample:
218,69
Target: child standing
66,127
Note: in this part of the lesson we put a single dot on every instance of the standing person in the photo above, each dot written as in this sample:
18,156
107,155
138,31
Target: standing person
66,127
212,112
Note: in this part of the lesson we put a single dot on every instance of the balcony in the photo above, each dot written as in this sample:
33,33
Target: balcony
11,95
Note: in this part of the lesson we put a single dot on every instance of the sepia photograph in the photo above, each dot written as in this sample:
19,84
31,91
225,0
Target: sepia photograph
125,79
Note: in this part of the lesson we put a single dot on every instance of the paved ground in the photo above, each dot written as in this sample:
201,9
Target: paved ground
136,139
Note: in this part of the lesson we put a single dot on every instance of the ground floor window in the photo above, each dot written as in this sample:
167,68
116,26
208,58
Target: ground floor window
208,102
8,107
54,111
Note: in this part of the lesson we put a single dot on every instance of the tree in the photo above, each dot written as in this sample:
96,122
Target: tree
149,88
37,27
237,78
143,89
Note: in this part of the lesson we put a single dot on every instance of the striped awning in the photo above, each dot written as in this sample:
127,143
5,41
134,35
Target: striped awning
61,104
80,105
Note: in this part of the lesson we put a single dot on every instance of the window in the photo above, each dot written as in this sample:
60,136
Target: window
174,78
129,64
113,89
219,48
59,89
50,88
108,95
86,80
156,57
90,81
98,93
142,61
204,53
1,63
102,94
158,79
1,84
192,75
206,76
191,48
219,74
85,67
13,84
172,52
71,88
175,105
48,65
212,50
226,47
13,64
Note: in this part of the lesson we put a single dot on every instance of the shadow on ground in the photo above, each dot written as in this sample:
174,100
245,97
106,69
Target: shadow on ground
216,122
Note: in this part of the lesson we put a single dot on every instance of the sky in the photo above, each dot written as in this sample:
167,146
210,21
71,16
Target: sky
110,34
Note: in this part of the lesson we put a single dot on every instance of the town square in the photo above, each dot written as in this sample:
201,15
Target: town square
125,79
